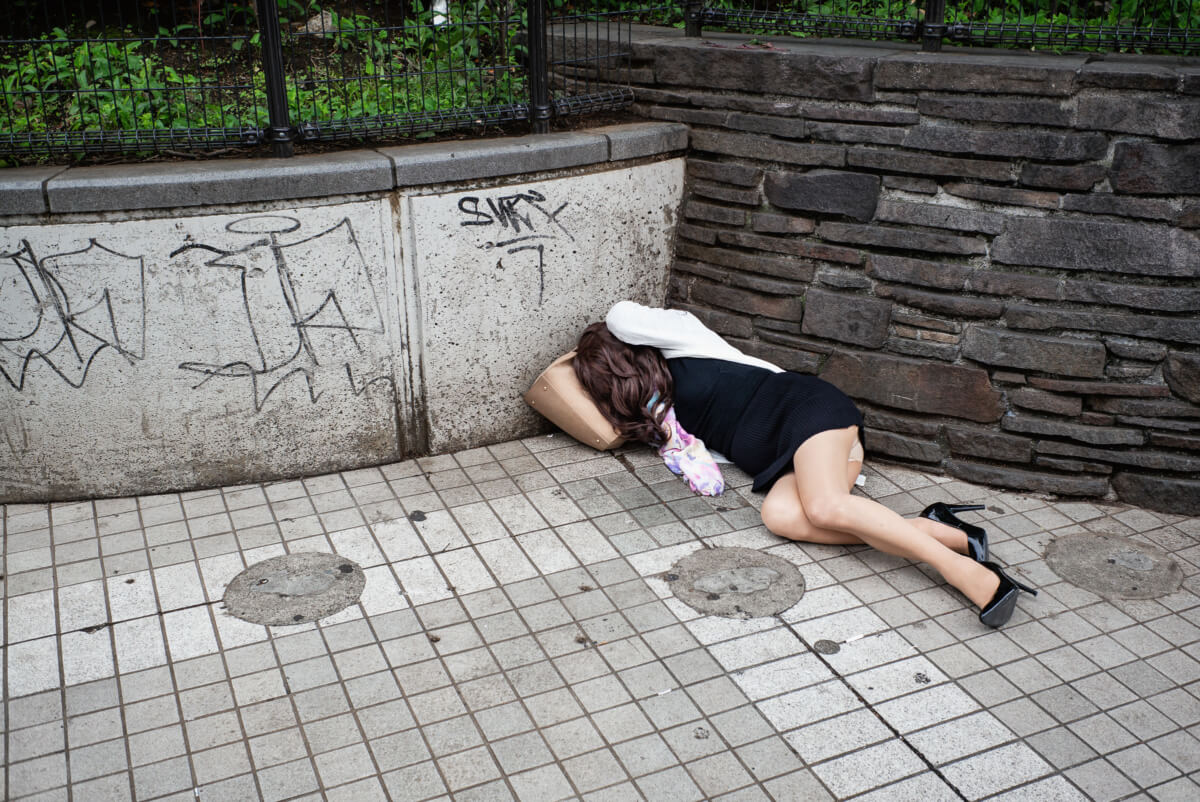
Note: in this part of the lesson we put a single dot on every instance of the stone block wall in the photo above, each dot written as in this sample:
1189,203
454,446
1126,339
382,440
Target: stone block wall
996,254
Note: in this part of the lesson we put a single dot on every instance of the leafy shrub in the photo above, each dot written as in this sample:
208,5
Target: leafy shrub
355,68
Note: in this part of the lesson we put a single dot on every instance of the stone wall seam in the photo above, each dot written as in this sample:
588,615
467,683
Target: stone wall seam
24,193
45,187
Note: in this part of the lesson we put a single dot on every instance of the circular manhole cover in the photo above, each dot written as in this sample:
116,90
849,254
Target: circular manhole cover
1114,567
294,589
736,582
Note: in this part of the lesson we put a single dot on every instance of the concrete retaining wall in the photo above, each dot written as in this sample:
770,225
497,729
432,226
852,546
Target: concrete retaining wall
995,253
175,326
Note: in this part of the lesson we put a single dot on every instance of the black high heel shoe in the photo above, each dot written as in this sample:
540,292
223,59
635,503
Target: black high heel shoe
977,544
997,612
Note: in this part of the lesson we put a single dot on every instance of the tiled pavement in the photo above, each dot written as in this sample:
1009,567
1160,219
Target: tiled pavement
514,640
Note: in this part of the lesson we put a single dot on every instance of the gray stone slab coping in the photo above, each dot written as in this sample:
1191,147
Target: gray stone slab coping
58,190
23,189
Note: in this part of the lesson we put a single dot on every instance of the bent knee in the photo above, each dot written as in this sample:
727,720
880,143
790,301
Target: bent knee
784,518
828,512
774,515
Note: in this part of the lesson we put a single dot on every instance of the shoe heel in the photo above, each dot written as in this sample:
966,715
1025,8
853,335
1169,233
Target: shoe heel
945,513
997,612
1025,588
1006,579
977,546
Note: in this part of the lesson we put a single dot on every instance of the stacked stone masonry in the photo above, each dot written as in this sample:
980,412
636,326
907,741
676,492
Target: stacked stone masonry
996,254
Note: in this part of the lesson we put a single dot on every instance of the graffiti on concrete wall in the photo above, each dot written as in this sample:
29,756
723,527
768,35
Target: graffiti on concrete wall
303,306
62,310
492,307
263,303
523,218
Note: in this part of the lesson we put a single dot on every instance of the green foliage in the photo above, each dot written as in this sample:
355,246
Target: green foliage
82,81
1060,26
202,72
75,86
1086,14
418,68
1043,22
1047,14
670,14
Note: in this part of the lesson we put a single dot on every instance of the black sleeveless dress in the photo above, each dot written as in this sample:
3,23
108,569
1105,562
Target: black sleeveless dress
753,416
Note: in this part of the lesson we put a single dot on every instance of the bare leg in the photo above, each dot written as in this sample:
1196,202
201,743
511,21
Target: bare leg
820,470
784,515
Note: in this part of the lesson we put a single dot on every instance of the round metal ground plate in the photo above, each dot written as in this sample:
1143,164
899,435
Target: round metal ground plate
1114,567
294,589
736,582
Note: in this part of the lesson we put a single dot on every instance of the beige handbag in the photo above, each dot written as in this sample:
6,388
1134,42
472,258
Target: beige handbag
558,395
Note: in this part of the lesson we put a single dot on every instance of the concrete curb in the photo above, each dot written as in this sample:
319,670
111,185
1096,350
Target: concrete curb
59,190
441,162
150,186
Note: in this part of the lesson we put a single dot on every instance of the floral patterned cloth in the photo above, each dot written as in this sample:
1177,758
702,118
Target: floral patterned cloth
686,456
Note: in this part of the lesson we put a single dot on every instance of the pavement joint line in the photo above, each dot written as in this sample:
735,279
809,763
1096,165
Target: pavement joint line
94,628
868,706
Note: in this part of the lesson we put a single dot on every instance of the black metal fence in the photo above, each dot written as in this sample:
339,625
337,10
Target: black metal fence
176,75
1155,26
96,76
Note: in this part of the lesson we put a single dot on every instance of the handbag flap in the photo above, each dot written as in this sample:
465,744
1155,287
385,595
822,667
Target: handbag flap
558,395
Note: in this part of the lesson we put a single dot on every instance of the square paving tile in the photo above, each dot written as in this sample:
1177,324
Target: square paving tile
517,642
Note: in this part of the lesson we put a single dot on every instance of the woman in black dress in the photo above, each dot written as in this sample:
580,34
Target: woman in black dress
797,435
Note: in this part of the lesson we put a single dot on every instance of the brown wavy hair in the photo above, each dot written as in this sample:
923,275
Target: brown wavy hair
622,379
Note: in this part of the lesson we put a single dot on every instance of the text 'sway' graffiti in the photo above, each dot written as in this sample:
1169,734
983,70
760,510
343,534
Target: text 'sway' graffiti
524,218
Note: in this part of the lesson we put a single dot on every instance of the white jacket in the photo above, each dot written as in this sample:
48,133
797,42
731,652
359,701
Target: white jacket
676,333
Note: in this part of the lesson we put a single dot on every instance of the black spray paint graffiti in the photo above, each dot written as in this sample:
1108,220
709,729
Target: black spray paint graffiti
517,213
302,316
64,309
